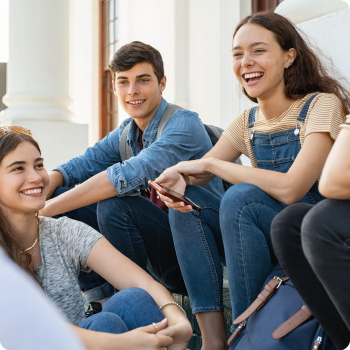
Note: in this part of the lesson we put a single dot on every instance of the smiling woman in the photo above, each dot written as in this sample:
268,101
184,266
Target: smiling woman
54,251
287,138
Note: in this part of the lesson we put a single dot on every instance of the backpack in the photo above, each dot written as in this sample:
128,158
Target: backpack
279,320
214,133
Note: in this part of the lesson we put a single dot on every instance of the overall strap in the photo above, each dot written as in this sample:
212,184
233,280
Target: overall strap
252,113
124,148
303,113
167,115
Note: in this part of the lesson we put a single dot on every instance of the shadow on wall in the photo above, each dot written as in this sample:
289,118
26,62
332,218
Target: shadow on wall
2,84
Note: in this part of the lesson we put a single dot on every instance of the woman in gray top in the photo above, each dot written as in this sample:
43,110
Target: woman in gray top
55,251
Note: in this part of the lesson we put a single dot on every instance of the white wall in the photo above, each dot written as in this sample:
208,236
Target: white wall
330,33
152,22
4,30
84,64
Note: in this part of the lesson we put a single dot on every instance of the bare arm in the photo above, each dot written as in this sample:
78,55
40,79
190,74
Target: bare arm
91,191
287,187
223,150
171,177
104,259
56,180
335,179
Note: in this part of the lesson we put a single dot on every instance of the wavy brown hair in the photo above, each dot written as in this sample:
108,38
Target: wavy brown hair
9,141
307,74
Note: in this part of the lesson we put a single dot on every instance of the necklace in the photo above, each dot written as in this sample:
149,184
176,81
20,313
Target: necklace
36,240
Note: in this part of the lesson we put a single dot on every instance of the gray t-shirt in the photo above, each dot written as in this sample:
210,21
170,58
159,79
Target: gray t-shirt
65,245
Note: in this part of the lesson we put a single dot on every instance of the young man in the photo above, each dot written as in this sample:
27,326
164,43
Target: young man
137,226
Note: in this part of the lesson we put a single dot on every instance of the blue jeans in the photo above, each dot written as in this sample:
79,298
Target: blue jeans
237,230
128,309
138,229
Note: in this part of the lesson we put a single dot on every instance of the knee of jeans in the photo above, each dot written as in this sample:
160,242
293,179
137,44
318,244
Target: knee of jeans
314,232
235,199
281,228
109,207
126,299
133,293
104,322
236,196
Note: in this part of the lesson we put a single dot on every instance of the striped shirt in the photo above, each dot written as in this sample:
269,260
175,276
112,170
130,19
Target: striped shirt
325,115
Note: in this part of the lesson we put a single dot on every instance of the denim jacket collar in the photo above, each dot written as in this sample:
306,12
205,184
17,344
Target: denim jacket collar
152,127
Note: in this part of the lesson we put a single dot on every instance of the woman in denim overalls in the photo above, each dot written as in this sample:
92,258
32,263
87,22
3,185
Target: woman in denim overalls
276,69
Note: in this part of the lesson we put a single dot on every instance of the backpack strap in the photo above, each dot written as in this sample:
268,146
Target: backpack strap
236,333
293,322
167,115
268,291
124,148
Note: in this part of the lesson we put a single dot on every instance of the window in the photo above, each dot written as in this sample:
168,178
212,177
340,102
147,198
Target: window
264,5
109,38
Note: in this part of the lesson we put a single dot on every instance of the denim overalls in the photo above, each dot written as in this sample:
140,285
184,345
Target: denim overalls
277,151
235,230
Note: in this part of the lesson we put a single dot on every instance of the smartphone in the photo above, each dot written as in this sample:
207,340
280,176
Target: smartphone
177,197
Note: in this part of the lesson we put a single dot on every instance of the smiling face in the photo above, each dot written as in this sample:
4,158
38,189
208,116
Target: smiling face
139,91
24,181
259,62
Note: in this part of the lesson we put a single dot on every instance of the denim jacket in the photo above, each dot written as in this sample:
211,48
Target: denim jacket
183,138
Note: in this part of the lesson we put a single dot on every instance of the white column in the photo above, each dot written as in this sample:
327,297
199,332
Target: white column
38,78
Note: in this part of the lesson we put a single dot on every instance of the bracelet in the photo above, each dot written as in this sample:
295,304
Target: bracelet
173,303
345,125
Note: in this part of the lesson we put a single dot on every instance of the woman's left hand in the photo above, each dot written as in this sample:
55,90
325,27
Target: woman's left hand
181,333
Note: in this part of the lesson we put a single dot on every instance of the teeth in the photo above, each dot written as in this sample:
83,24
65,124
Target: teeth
35,191
135,102
253,75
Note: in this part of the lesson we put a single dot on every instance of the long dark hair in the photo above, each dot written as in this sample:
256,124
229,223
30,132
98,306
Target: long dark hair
9,141
307,73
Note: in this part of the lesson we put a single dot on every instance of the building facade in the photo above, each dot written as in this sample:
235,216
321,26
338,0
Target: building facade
58,84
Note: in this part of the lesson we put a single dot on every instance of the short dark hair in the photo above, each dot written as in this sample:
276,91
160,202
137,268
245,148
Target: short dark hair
137,52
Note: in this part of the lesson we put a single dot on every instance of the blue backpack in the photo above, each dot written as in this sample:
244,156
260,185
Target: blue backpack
279,320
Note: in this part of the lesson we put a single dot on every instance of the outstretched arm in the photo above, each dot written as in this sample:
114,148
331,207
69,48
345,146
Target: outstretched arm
287,187
91,191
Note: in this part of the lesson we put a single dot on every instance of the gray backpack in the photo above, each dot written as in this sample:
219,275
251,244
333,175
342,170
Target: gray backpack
214,133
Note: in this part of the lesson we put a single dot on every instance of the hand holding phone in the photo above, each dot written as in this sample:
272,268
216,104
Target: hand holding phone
175,196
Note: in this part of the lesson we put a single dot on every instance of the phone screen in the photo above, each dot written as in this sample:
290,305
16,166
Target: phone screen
174,195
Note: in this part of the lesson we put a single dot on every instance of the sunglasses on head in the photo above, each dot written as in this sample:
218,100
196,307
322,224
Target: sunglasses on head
17,129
